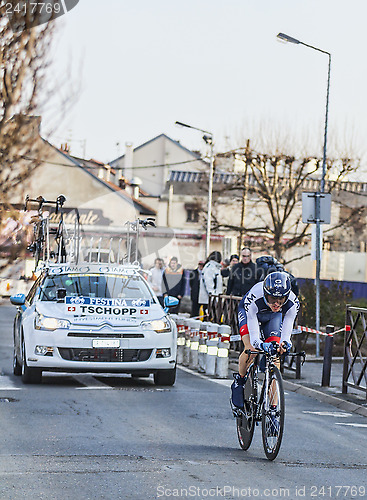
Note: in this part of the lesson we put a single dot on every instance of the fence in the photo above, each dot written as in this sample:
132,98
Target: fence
222,309
355,350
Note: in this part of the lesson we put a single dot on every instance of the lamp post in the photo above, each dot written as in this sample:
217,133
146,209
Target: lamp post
208,138
287,38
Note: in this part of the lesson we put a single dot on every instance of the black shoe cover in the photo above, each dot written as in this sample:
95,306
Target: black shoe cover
237,390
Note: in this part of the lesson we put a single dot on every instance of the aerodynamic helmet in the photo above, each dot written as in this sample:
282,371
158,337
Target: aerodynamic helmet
277,284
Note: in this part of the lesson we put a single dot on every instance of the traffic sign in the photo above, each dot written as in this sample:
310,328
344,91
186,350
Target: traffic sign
309,207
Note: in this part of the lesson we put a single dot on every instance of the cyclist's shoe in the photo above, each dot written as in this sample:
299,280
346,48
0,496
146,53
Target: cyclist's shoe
237,390
274,421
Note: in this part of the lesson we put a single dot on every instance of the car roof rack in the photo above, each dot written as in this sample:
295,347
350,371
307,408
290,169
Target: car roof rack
72,248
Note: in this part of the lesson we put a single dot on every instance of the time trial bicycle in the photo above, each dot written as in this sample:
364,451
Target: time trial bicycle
264,402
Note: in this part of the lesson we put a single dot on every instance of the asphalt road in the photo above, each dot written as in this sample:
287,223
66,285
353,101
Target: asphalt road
114,437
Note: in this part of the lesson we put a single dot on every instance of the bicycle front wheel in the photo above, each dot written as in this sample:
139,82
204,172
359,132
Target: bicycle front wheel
246,421
272,417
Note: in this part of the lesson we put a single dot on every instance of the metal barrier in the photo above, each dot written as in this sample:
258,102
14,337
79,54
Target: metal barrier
355,350
222,309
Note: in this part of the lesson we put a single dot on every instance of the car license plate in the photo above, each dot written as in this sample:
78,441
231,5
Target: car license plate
112,343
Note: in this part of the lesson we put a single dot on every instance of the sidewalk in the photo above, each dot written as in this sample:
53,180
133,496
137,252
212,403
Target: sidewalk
310,385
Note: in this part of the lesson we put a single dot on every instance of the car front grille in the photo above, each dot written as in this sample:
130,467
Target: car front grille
105,355
106,335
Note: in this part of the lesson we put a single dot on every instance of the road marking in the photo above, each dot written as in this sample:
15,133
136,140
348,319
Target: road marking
220,381
350,424
337,414
90,382
7,384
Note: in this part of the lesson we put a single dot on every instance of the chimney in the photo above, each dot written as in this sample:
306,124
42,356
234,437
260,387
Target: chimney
128,163
108,173
135,184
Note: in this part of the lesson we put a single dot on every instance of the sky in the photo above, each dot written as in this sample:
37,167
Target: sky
134,67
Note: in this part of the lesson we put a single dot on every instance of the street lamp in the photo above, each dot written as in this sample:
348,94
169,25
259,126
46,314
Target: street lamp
208,138
287,38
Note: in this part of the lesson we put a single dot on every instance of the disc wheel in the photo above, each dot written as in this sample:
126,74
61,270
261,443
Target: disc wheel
246,420
272,417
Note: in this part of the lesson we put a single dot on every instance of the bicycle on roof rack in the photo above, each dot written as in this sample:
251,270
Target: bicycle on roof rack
61,234
124,251
263,403
132,239
40,247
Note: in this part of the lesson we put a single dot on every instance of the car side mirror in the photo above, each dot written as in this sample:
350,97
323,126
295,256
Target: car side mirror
170,301
18,299
60,294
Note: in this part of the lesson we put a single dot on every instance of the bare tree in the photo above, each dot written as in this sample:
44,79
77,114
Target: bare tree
272,184
24,48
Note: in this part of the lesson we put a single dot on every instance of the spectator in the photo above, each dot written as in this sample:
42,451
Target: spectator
268,264
226,270
195,277
173,282
243,276
211,279
155,278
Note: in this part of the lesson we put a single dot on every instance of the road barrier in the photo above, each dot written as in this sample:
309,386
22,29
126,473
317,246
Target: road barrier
211,357
186,351
203,345
221,369
194,344
355,350
180,337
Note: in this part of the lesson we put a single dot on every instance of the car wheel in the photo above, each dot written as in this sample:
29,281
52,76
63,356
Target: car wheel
29,375
165,377
17,367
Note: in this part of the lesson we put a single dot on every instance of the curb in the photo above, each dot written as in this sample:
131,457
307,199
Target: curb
299,389
325,398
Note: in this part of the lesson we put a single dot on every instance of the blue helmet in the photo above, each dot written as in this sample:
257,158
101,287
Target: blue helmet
277,284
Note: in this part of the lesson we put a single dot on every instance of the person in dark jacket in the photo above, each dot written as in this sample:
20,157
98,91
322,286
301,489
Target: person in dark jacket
195,276
244,275
173,282
267,264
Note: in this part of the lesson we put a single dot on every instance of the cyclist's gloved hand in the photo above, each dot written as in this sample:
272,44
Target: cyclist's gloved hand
269,347
287,346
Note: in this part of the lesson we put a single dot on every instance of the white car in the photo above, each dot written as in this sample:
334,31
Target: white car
94,318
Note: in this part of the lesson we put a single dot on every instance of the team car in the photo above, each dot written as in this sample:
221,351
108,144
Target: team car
93,318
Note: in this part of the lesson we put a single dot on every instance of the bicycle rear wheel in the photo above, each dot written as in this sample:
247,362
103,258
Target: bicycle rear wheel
272,415
246,420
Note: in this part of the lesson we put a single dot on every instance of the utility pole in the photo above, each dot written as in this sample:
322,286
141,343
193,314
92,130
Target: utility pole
244,199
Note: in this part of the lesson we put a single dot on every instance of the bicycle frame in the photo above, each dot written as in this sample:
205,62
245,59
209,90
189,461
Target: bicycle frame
258,401
269,364
268,407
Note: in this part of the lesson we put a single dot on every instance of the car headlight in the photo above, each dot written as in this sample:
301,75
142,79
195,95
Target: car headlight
158,325
42,322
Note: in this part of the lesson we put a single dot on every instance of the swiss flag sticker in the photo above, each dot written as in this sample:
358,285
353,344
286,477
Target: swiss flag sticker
71,308
144,311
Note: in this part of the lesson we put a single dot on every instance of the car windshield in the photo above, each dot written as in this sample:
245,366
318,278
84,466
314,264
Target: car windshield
95,285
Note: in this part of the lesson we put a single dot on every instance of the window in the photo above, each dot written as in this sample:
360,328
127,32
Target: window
95,285
193,212
192,215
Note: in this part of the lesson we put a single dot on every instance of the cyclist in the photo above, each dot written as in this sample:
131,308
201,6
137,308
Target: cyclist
266,314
